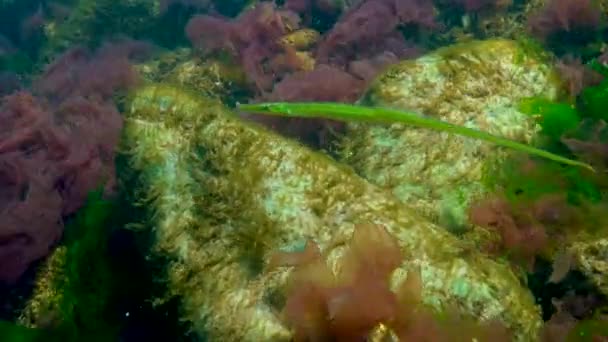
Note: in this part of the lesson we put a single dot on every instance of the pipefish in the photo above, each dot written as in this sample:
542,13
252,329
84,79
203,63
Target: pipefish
348,112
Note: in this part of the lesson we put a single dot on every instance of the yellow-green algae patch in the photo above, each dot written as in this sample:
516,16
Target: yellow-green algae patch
478,85
224,195
591,257
45,303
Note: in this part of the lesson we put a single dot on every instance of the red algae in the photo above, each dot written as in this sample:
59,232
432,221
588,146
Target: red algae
252,38
522,236
371,28
324,83
541,208
592,149
57,143
322,305
349,304
364,41
565,15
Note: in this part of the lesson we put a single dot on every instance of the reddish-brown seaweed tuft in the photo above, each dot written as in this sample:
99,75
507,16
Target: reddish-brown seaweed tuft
349,304
57,143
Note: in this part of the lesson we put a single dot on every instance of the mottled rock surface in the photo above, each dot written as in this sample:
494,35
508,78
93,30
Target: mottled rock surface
478,85
224,195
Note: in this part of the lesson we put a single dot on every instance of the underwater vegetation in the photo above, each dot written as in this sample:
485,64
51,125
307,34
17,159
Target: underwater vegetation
322,306
548,212
83,273
564,25
57,143
308,170
575,130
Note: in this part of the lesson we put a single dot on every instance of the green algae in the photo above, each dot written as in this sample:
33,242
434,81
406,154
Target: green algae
88,283
558,120
589,330
74,288
594,101
16,333
555,118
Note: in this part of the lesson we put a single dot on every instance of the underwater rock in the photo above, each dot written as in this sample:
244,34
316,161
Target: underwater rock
210,77
591,258
224,195
478,85
92,21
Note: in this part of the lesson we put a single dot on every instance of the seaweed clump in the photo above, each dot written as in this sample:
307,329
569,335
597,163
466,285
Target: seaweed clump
57,143
356,302
556,202
286,59
71,298
568,26
97,286
541,212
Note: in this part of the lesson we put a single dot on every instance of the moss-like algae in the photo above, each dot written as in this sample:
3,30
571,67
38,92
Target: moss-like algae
73,288
92,21
224,194
16,333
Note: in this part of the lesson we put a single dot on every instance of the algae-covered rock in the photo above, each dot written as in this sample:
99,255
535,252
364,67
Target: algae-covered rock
591,258
478,85
224,195
92,21
211,77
